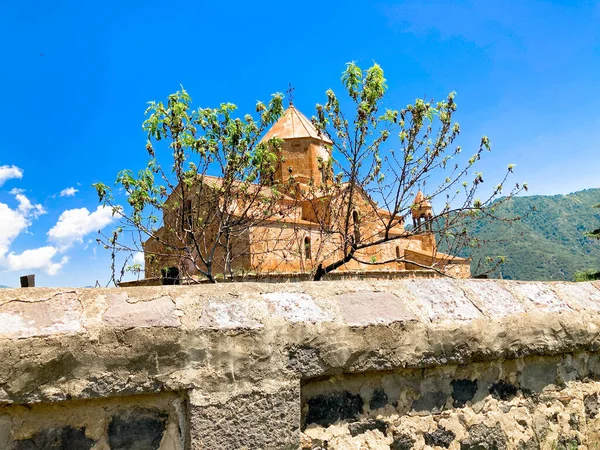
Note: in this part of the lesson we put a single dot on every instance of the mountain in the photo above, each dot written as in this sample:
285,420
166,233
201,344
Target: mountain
548,243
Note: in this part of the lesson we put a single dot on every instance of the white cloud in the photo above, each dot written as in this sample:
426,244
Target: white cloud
68,192
39,258
71,227
138,258
74,224
8,172
12,224
26,207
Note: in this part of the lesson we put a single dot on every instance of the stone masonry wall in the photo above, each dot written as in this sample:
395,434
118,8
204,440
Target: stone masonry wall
386,364
524,403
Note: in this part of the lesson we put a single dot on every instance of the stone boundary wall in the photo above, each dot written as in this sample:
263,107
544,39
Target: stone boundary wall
390,364
295,277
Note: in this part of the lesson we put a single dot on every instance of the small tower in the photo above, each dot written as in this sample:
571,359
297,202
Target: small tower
421,211
302,148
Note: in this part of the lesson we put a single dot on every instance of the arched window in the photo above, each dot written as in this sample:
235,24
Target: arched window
356,226
307,249
397,252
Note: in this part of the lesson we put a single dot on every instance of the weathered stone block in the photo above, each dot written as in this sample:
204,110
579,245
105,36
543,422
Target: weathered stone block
64,438
379,399
590,402
463,391
138,429
503,390
258,419
362,308
440,438
326,409
430,403
482,437
357,428
402,442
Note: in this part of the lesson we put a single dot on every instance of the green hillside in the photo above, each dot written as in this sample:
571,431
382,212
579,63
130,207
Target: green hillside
549,242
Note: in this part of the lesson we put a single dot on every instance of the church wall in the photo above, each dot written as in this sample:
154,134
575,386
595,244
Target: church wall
296,153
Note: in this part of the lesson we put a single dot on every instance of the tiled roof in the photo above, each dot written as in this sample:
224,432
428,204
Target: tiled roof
292,125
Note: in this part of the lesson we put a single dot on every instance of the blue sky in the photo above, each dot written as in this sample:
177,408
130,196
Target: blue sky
76,77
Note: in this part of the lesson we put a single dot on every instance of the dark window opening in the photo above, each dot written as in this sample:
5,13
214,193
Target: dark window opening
397,252
356,226
170,276
307,249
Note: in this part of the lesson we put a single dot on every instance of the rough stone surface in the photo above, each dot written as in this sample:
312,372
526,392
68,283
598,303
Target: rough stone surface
498,411
152,313
379,399
591,405
64,438
364,308
363,426
138,429
439,438
482,437
501,390
143,422
463,391
430,402
258,420
253,358
59,313
326,409
402,442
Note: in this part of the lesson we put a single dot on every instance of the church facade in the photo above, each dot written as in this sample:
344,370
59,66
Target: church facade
306,232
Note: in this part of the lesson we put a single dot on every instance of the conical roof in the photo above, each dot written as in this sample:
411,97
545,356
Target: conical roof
420,205
293,125
420,199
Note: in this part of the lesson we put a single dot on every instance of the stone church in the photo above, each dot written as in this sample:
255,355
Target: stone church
304,233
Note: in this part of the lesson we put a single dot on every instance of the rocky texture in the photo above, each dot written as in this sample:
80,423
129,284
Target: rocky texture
491,405
137,429
242,360
140,422
61,438
263,419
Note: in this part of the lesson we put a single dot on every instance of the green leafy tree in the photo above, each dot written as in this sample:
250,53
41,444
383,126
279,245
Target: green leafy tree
204,218
590,275
388,154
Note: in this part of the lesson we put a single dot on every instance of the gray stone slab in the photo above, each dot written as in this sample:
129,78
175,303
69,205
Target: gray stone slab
151,313
539,296
295,307
61,313
493,299
364,308
441,299
579,296
234,313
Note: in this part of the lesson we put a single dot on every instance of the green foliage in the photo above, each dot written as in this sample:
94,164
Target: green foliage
388,155
184,146
548,243
587,275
